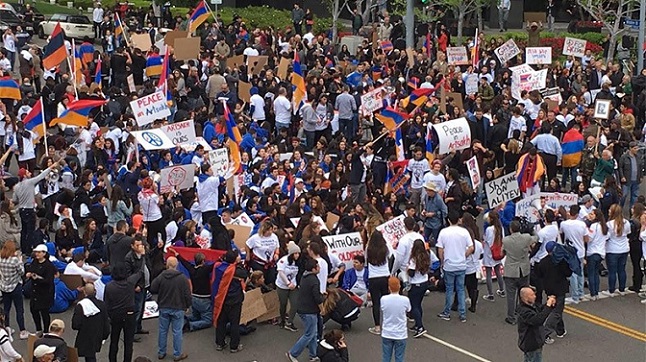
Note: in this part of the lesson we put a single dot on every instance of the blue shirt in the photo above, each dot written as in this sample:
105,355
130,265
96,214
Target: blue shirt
549,144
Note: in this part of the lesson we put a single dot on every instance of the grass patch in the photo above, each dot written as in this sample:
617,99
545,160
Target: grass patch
50,9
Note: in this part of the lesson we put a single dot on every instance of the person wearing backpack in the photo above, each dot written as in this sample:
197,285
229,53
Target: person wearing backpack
554,274
575,233
492,259
550,232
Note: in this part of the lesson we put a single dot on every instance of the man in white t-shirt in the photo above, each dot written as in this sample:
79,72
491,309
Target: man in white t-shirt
587,207
517,122
257,104
576,233
415,170
393,325
282,110
436,177
454,244
404,247
548,233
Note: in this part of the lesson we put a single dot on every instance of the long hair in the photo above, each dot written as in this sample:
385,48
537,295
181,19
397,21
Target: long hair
638,211
5,207
88,234
599,218
420,256
330,301
8,249
615,214
117,194
377,249
494,220
469,223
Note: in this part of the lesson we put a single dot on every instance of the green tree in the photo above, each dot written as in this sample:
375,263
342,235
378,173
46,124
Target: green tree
610,14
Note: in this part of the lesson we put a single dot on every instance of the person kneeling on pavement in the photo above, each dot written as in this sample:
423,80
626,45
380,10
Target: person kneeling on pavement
340,307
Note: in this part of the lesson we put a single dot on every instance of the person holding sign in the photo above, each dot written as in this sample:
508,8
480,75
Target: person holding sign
262,250
150,208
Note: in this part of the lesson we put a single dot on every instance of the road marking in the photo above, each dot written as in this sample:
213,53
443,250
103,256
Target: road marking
456,348
606,324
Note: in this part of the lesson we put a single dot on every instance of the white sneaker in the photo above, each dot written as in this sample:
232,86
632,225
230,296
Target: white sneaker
24,334
643,301
570,300
607,293
622,293
594,298
642,294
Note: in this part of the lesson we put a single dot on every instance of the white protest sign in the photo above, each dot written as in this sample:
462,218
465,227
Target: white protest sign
219,160
180,132
317,219
530,81
243,220
180,177
393,230
507,51
371,101
149,108
190,146
345,246
457,55
474,172
153,139
528,207
554,200
131,83
502,189
521,69
574,47
538,55
453,135
471,84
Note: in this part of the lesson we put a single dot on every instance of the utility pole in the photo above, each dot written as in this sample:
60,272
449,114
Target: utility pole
410,25
640,45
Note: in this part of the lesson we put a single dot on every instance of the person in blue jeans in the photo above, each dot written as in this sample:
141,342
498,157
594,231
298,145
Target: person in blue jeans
174,299
309,298
596,251
393,325
201,316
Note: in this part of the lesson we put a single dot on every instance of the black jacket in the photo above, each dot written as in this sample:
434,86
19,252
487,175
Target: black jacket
200,277
118,247
328,353
135,267
356,168
52,340
92,330
119,296
43,287
531,335
344,306
173,289
554,276
309,295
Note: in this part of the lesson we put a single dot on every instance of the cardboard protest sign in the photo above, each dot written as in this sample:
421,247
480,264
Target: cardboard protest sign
256,63
153,139
169,38
474,172
72,281
141,41
502,189
554,200
161,46
178,177
219,161
553,94
371,101
131,83
520,69
528,207
235,61
457,55
471,84
253,306
190,146
282,67
538,55
530,81
410,54
272,303
181,132
243,91
345,246
574,47
393,230
151,310
453,135
507,51
457,99
241,234
187,48
331,220
149,108
244,220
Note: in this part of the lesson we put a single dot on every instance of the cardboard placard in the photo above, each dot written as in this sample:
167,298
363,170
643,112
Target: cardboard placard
453,135
177,177
273,306
332,220
256,63
411,57
72,353
187,48
151,310
393,230
345,246
141,41
235,61
241,235
253,306
131,83
243,91
170,37
72,281
574,47
149,108
507,51
457,98
282,68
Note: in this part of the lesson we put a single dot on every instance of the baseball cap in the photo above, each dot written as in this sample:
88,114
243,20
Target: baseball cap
57,324
43,350
41,247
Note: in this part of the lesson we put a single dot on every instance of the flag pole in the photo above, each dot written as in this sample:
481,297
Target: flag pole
123,30
215,19
42,109
70,66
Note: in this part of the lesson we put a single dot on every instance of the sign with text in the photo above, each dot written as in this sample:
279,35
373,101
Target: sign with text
178,177
457,55
530,206
553,94
574,47
474,172
507,51
393,230
372,101
180,132
538,55
502,189
219,160
345,246
534,80
243,220
453,135
471,84
149,108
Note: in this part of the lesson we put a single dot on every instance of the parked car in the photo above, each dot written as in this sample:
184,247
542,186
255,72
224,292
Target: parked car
22,8
9,19
74,26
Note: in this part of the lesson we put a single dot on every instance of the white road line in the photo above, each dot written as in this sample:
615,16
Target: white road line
456,348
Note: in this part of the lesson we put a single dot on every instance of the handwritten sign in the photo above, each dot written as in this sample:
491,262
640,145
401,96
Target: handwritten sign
243,220
553,94
457,55
453,135
393,230
474,172
574,47
502,189
507,51
149,108
345,246
219,160
530,81
180,132
530,206
176,177
471,84
538,55
372,101
253,306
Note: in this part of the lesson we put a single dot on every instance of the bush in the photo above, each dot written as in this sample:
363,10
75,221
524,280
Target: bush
554,40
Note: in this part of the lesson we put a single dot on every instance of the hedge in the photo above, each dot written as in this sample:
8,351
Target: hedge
596,38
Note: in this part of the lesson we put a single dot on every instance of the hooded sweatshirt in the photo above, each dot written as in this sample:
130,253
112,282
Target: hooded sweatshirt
174,292
207,192
118,247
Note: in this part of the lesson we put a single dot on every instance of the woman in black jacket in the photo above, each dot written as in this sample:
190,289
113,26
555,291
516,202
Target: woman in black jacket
332,348
41,271
339,307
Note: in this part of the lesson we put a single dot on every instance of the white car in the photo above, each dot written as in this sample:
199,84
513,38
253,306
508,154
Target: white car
74,26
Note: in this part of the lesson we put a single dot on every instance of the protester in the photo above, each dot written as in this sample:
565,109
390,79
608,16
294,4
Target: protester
90,316
231,308
41,271
11,284
54,338
333,348
531,318
119,300
7,351
393,332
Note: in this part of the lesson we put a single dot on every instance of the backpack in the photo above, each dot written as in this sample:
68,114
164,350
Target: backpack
496,252
568,253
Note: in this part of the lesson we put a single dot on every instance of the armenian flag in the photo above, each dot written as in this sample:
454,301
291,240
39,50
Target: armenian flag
572,146
395,177
234,137
300,94
391,118
162,84
220,280
97,74
413,82
118,29
87,53
199,16
35,119
77,65
429,142
475,51
419,96
399,145
386,46
210,256
55,52
9,89
77,112
154,65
